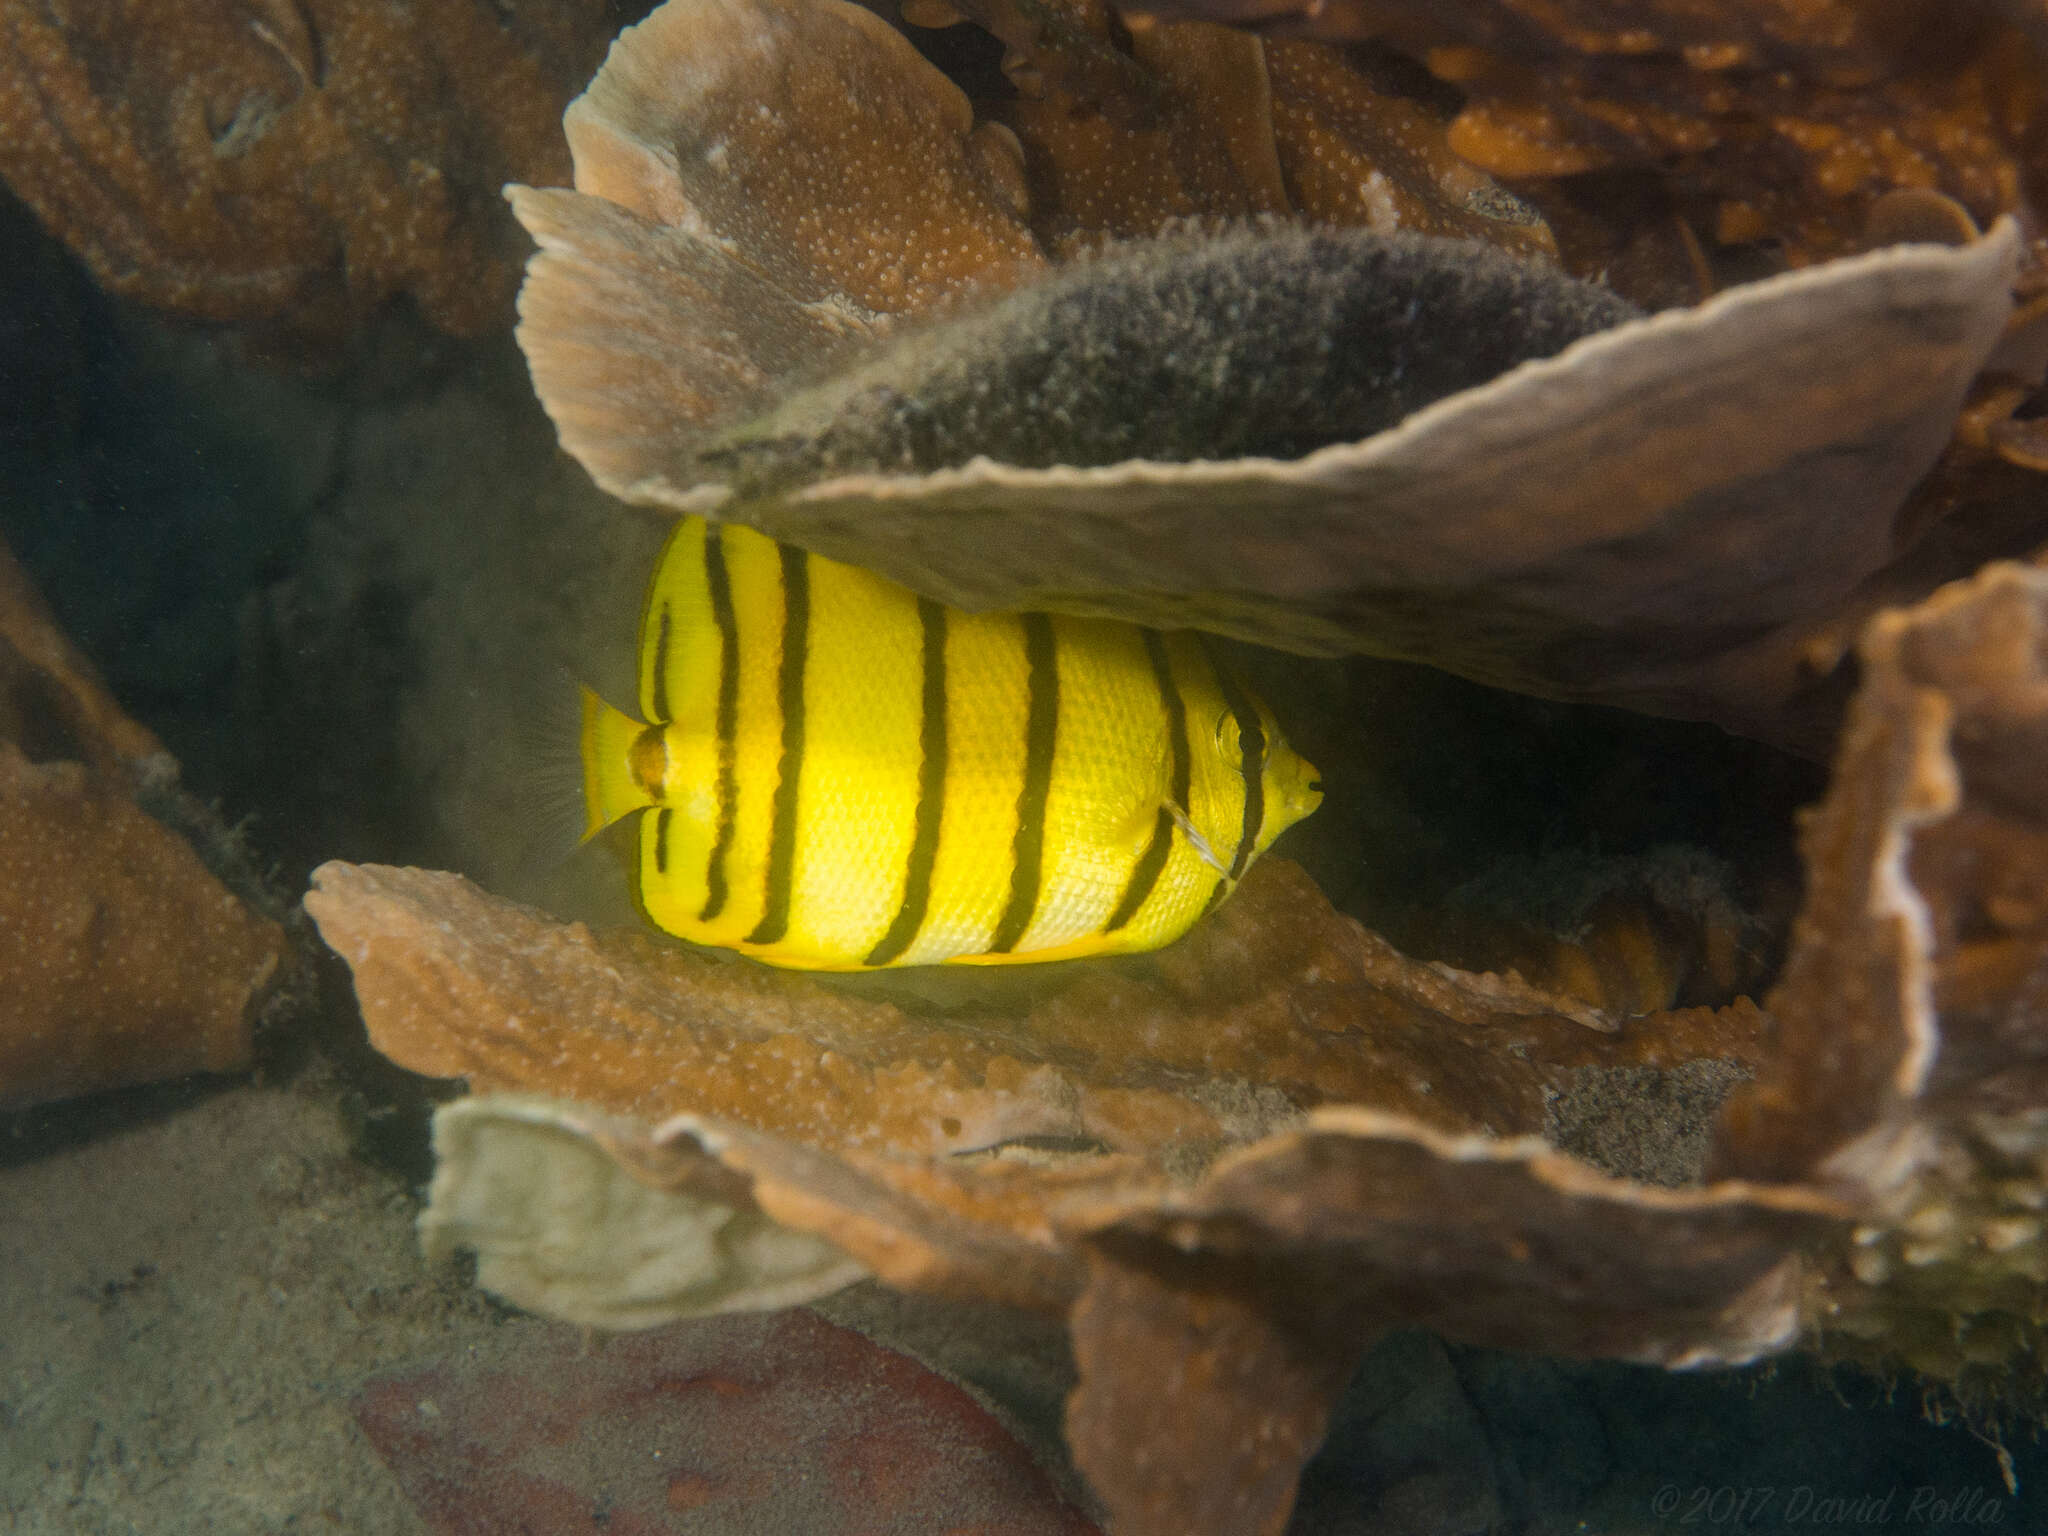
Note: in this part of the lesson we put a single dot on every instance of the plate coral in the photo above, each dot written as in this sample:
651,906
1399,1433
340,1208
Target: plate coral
1492,380
1234,1165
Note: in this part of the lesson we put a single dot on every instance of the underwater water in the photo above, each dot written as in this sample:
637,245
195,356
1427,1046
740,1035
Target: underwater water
345,592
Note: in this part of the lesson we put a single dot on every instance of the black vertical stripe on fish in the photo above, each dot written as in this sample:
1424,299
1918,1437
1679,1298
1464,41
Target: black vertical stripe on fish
657,683
662,818
1176,715
931,791
796,640
1152,862
1145,875
1251,739
1041,733
719,583
1216,896
636,889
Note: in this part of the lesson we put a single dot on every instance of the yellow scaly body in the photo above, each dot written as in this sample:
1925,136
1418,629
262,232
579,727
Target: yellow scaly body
840,775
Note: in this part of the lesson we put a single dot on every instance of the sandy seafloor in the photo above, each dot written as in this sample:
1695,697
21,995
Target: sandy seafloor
337,594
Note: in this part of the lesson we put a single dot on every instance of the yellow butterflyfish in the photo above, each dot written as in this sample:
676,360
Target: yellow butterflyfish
833,773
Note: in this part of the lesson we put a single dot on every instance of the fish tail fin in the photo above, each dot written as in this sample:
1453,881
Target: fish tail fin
610,789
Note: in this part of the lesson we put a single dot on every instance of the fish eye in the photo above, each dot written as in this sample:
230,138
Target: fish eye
1228,741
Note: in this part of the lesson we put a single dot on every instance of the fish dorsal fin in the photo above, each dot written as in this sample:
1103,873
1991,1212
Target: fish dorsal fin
689,642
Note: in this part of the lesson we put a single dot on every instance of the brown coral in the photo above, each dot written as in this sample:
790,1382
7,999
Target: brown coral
1750,455
1232,1163
1763,120
1912,1020
122,960
1277,990
1123,134
1911,978
1258,1148
1006,1155
290,160
51,699
1276,1005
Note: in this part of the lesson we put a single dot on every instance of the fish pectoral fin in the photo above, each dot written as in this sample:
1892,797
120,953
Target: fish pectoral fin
1131,832
1195,839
